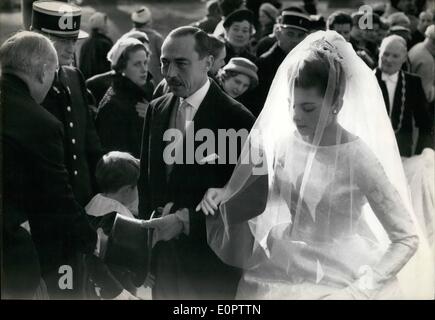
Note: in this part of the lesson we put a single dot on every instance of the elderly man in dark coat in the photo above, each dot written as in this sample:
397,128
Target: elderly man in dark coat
39,209
185,266
404,98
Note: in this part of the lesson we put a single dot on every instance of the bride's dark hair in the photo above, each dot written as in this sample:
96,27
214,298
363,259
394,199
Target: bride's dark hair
313,72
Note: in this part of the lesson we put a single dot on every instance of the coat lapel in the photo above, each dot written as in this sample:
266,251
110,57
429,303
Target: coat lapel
205,117
383,87
397,96
160,124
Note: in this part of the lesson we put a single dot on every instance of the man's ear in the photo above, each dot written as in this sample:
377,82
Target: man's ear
40,77
209,60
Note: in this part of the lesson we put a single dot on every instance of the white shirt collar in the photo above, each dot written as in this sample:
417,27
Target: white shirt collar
101,205
196,98
390,77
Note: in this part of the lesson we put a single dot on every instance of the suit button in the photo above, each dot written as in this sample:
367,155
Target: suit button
68,108
74,157
71,124
76,172
73,141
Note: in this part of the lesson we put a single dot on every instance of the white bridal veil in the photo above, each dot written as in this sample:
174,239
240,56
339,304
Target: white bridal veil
318,216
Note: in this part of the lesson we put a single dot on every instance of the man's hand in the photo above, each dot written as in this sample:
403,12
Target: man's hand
167,227
100,250
141,108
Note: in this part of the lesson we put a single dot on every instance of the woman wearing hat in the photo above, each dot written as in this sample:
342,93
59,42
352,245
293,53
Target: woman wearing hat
238,77
267,16
239,27
118,122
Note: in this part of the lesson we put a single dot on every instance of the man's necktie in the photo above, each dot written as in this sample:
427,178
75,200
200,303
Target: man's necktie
184,113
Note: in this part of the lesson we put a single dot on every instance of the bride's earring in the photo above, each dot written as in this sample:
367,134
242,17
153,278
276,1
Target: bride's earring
335,111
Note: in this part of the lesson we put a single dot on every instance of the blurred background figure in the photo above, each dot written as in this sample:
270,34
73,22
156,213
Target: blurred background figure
142,21
267,17
425,19
422,59
93,53
341,22
401,25
404,98
119,120
408,7
211,20
291,29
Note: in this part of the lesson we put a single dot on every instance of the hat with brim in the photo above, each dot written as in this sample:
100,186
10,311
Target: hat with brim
243,66
143,15
57,19
239,16
294,20
127,246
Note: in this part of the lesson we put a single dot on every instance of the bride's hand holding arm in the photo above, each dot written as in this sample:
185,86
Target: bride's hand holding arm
211,200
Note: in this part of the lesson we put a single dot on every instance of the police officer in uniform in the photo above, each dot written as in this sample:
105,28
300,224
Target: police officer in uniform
68,101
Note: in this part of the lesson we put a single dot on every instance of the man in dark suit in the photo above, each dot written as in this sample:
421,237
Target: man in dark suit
185,267
37,190
404,98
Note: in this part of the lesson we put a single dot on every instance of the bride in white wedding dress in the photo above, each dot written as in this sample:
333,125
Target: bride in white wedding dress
318,207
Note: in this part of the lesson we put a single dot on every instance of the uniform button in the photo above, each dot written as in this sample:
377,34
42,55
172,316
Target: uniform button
68,108
71,124
74,157
73,141
76,172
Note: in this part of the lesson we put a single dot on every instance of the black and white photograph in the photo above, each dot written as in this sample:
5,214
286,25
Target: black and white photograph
217,150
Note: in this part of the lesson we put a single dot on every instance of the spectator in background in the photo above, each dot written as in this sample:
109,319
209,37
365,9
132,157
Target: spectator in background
239,27
119,122
310,7
254,6
266,16
142,21
291,29
404,98
399,19
210,21
358,40
227,7
268,41
94,50
341,22
99,83
408,7
317,23
238,77
425,19
422,58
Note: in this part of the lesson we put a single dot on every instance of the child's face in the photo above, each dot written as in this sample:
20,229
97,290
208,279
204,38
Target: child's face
131,194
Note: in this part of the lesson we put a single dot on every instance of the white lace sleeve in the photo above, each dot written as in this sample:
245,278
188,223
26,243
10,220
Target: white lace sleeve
389,208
